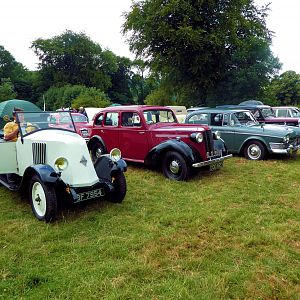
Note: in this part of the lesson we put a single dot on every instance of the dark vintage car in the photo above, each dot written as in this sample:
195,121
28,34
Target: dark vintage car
243,135
265,114
286,111
152,135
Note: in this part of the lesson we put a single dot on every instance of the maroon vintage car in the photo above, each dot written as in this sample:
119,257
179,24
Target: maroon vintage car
152,135
62,119
265,114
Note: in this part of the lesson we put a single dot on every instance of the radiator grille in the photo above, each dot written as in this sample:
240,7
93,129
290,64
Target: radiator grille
209,143
39,153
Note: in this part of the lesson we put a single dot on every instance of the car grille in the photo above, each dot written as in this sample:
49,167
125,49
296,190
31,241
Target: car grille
209,142
39,153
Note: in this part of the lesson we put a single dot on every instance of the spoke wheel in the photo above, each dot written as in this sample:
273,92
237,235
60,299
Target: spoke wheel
175,167
42,199
255,150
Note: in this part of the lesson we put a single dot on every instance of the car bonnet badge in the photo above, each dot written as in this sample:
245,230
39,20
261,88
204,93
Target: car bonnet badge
83,161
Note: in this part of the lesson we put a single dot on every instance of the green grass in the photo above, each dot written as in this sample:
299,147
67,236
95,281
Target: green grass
232,234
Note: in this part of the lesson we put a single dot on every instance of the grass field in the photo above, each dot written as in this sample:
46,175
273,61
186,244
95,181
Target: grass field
233,234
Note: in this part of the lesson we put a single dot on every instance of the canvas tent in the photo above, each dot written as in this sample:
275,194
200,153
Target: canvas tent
7,107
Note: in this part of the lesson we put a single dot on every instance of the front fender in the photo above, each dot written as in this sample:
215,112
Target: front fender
94,139
155,155
220,146
104,167
254,138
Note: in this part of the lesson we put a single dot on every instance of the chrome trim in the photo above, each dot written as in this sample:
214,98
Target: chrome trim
211,161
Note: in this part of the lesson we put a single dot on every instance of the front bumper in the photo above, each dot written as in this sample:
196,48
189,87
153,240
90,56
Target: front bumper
280,148
98,190
213,161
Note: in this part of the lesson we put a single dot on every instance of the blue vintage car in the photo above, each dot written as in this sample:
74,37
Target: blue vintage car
243,135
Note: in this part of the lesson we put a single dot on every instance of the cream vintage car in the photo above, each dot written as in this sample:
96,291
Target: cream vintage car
53,164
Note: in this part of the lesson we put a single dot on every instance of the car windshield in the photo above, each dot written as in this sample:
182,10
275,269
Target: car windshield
159,116
34,121
295,112
267,112
243,118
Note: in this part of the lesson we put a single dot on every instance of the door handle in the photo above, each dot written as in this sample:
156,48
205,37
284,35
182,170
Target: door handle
141,132
101,131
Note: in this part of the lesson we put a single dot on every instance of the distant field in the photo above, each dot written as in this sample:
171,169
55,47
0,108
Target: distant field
233,234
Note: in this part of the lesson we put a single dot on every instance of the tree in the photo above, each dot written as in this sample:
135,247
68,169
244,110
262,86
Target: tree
73,58
91,97
199,44
7,90
283,89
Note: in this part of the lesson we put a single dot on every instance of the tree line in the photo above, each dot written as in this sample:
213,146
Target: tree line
188,53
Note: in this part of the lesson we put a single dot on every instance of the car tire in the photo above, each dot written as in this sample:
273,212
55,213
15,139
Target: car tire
43,200
119,183
255,150
97,150
175,167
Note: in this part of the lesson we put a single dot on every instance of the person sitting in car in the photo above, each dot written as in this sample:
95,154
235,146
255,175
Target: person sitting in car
11,129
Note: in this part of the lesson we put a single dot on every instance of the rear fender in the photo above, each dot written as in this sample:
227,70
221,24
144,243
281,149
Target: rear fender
156,154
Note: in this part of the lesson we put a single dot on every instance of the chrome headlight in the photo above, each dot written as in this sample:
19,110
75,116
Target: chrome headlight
115,154
217,135
197,137
61,164
286,138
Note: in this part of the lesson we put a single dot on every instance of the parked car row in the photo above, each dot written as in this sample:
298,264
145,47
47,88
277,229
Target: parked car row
65,157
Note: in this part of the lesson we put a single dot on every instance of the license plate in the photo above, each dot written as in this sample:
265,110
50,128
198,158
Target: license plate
90,194
216,166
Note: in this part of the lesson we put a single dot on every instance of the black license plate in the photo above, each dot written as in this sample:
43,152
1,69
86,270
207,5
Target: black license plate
90,194
216,166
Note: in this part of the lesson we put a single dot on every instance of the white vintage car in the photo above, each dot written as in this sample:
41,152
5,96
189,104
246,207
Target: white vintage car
53,164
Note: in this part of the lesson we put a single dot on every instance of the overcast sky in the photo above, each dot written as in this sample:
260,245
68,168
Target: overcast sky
23,21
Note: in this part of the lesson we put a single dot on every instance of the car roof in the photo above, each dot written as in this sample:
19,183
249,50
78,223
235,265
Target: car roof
135,107
217,110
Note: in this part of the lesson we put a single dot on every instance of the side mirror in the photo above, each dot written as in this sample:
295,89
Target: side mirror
6,118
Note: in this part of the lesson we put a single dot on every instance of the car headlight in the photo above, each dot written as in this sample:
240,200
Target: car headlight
61,164
198,137
286,138
217,135
115,154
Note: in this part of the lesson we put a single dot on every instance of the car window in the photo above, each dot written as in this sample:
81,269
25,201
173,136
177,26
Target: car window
281,113
79,118
111,119
295,113
159,116
99,120
130,119
226,120
198,119
216,119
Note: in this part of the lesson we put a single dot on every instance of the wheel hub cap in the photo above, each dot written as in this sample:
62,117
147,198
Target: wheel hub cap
254,151
174,167
98,152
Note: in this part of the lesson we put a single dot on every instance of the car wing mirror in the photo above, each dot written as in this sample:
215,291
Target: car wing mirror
6,118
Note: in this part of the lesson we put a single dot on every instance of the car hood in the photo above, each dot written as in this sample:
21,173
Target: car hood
178,127
274,130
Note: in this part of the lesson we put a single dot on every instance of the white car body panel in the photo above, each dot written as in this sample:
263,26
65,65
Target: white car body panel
8,154
60,143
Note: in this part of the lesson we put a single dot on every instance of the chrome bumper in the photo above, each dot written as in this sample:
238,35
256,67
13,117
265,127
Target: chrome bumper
211,161
289,150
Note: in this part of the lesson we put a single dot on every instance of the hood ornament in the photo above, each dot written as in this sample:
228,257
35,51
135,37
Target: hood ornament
83,161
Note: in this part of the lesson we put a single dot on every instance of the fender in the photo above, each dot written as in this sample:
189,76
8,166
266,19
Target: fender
46,173
104,167
96,138
254,138
155,155
220,146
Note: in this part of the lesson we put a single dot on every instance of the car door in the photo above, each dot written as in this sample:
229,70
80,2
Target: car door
222,122
133,141
9,162
109,130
